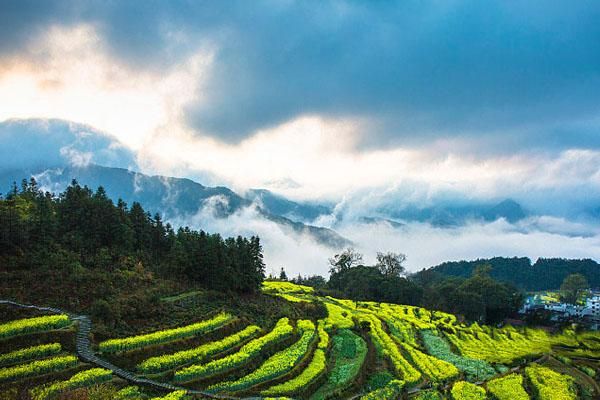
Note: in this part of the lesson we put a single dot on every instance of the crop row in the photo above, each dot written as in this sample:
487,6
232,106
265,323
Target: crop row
170,361
467,391
348,353
509,387
176,395
337,317
439,348
29,353
389,348
285,287
164,336
312,372
252,349
33,325
275,366
550,385
436,369
38,367
323,335
81,379
391,391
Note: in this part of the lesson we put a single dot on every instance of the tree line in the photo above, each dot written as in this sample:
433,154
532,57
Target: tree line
544,274
478,297
84,228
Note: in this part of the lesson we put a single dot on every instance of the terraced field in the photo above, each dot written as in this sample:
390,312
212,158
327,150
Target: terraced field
360,350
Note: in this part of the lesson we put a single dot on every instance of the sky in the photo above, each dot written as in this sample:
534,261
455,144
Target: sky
339,101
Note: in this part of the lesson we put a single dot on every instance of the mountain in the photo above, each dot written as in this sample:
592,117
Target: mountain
279,205
171,197
455,215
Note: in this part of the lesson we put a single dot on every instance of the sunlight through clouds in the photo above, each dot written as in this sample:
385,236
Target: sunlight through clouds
69,74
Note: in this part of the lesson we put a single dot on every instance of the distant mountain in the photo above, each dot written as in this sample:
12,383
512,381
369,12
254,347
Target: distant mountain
457,215
171,197
279,205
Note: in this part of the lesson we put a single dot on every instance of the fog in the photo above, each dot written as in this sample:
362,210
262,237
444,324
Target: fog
424,245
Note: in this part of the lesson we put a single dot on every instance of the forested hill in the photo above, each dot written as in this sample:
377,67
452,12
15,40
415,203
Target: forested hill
544,274
82,229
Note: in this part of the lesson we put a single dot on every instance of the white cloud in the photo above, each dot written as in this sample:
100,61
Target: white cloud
69,74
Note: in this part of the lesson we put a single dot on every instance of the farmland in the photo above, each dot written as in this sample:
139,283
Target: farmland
352,348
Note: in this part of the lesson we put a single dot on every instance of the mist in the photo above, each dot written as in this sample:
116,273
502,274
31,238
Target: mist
424,244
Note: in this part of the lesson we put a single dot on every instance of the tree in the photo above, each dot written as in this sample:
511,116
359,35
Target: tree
572,286
345,260
390,264
283,275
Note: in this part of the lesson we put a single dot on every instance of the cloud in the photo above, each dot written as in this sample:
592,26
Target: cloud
72,75
43,143
496,76
424,245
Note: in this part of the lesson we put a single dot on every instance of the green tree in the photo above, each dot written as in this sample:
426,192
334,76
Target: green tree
572,286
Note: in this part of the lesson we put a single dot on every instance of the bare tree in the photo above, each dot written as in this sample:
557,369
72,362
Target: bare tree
345,260
390,264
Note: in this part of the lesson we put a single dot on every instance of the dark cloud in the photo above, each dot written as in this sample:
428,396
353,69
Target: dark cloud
525,72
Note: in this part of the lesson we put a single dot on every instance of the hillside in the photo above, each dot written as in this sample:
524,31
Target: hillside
544,274
310,346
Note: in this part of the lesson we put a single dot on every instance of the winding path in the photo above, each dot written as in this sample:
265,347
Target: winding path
83,348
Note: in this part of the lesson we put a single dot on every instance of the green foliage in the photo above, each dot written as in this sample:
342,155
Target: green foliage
275,366
550,385
348,353
572,287
81,229
508,387
198,354
402,367
368,283
81,379
378,380
38,367
428,395
129,393
437,370
467,391
252,349
164,336
176,395
314,370
438,347
33,325
391,391
337,317
30,353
